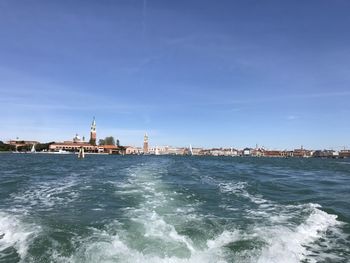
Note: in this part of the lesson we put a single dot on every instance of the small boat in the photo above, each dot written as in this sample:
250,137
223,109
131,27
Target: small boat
60,151
81,154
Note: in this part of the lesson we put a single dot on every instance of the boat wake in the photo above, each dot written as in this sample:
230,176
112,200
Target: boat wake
157,219
290,233
15,236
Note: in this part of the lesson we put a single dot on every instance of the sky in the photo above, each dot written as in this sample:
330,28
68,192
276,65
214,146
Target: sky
208,73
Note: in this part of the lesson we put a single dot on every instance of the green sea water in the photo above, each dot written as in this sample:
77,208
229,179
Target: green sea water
56,208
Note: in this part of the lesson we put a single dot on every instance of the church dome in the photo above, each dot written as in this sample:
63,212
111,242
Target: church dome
76,138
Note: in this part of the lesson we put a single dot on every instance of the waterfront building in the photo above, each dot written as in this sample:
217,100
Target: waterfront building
335,154
151,150
322,154
219,152
161,150
257,152
169,150
302,153
197,151
215,152
77,143
20,143
145,144
176,150
112,149
206,152
233,152
89,147
247,152
72,146
157,151
344,154
273,153
131,150
287,153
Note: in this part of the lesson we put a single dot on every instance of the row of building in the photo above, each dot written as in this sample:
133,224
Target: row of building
261,152
91,146
249,152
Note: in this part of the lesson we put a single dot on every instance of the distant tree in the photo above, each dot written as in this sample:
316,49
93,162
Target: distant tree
118,142
24,148
42,146
107,141
6,147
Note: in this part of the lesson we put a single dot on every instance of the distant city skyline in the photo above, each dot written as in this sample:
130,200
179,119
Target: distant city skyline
209,74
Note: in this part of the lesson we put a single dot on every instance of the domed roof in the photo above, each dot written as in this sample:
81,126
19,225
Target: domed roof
76,138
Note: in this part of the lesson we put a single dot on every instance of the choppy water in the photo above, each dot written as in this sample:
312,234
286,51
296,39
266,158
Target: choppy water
173,209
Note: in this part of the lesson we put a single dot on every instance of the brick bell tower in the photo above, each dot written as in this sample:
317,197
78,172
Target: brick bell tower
93,133
145,144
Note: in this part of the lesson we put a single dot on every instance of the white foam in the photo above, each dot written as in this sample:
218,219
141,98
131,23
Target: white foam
286,244
223,239
106,246
235,188
103,247
286,241
155,226
14,233
289,245
239,189
48,194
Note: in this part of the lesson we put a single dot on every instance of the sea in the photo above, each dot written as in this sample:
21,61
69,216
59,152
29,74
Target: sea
109,208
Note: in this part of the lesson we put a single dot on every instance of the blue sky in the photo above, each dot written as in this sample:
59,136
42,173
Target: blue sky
206,73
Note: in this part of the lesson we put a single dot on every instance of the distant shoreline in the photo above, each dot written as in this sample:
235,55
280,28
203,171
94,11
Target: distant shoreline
238,156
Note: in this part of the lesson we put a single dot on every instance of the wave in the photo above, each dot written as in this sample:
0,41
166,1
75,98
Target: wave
48,195
14,233
150,233
102,246
156,222
291,233
295,244
146,232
